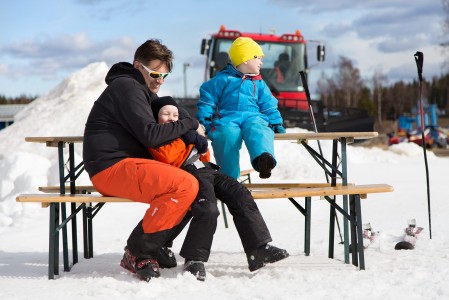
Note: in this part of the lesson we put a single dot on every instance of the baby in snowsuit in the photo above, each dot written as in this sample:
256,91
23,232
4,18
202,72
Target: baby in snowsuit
190,152
237,105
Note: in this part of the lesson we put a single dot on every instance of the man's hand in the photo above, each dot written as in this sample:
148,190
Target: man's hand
201,130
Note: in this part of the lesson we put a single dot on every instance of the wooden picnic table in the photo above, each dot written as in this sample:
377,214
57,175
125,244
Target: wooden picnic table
336,168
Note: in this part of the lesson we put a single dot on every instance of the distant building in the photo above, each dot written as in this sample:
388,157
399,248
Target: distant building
7,113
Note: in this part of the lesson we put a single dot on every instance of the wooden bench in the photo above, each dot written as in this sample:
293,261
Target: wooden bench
258,191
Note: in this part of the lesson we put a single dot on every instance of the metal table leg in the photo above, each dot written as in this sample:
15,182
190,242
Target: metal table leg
73,205
307,225
65,251
53,238
332,213
345,198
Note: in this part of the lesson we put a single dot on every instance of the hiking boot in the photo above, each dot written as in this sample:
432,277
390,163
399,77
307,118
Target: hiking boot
166,258
145,268
263,255
266,163
197,268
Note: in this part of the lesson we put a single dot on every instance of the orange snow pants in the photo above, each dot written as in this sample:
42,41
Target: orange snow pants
168,190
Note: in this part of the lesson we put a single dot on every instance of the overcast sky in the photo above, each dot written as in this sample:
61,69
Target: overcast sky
43,41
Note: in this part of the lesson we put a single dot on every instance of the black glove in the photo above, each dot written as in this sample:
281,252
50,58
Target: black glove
277,128
201,144
192,137
189,137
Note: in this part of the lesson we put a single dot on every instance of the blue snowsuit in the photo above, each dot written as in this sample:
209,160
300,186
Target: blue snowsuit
235,107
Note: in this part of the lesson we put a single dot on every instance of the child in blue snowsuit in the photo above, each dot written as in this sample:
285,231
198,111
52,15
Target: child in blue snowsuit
236,105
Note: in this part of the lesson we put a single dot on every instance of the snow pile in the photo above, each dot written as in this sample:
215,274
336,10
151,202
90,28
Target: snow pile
62,112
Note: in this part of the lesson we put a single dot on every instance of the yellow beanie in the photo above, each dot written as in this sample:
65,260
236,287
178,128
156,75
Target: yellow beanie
244,49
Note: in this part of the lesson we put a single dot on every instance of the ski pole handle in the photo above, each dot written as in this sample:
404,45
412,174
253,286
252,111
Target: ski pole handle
419,59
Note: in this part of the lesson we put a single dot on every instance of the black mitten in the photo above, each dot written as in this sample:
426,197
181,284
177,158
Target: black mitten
189,137
277,128
201,144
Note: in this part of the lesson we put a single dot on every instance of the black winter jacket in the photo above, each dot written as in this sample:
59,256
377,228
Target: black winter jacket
121,123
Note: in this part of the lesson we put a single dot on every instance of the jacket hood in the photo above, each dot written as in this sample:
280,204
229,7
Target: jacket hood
124,69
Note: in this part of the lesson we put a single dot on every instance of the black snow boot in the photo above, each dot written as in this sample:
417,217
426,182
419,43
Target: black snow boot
166,258
263,255
197,268
265,163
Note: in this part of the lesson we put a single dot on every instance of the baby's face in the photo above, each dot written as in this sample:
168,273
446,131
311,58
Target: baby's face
251,66
167,114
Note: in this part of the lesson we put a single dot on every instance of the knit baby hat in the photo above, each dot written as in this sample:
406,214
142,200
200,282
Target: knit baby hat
160,102
244,49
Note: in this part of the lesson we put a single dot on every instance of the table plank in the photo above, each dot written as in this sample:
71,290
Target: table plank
325,135
53,139
277,136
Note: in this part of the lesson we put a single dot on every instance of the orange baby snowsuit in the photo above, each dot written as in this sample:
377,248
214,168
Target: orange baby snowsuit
176,153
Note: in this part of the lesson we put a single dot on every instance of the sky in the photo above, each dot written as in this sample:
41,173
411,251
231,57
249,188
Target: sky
43,41
414,274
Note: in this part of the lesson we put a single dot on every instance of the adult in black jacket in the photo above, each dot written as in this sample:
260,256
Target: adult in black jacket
119,130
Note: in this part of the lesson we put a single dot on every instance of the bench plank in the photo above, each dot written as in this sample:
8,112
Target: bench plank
82,189
259,191
76,198
253,186
362,190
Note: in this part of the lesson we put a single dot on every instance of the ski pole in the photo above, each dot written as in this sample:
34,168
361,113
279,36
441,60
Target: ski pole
312,117
309,103
419,59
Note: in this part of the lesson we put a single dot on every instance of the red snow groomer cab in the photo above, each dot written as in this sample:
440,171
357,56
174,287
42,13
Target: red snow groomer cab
285,56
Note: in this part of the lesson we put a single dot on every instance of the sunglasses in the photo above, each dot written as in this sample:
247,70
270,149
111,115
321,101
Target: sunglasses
154,74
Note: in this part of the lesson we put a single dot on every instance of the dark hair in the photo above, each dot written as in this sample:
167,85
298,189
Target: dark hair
152,50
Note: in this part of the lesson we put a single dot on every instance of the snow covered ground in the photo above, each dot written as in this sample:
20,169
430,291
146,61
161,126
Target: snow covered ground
416,274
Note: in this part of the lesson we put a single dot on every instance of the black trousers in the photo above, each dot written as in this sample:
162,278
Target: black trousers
250,225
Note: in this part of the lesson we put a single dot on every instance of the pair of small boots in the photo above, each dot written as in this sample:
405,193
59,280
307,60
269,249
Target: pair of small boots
263,164
256,259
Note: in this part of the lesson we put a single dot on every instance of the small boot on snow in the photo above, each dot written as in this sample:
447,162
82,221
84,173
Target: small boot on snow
264,255
196,268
